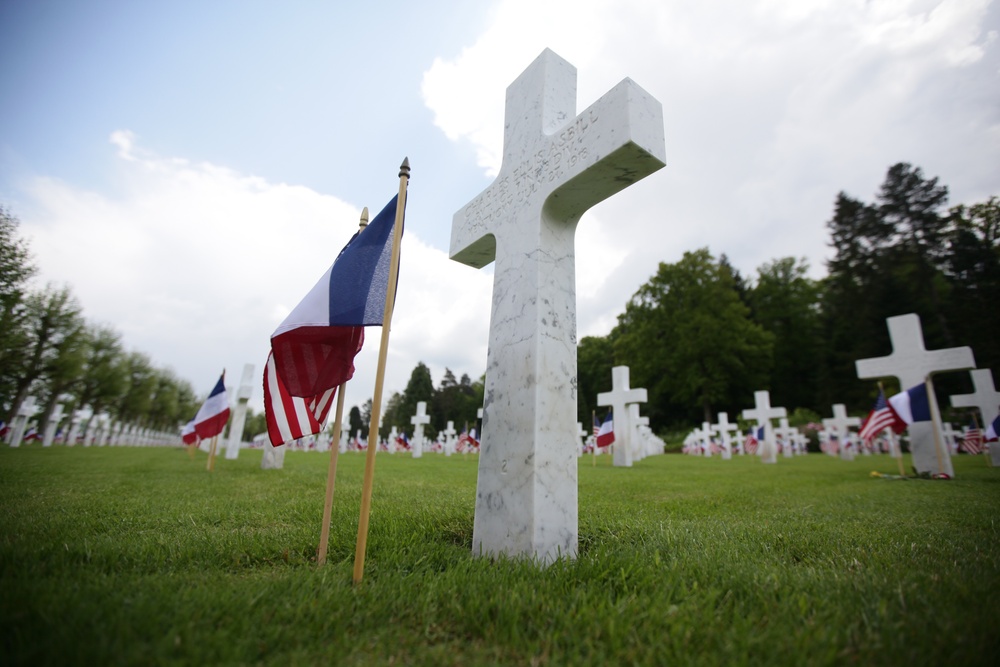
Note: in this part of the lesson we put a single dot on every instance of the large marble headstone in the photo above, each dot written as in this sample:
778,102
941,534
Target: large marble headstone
618,399
240,413
763,413
911,363
556,165
986,399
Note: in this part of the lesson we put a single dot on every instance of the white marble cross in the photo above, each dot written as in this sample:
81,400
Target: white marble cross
950,437
20,425
985,398
449,439
763,413
841,424
911,363
787,435
618,399
724,428
582,434
52,425
556,165
240,413
419,420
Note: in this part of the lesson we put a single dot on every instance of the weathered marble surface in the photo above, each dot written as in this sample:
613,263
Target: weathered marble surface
556,165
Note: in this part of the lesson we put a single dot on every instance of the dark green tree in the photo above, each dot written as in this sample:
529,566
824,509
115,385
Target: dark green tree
785,302
595,356
688,338
15,271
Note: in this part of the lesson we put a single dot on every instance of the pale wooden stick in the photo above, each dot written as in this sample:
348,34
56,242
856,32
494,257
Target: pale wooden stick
210,464
331,477
390,299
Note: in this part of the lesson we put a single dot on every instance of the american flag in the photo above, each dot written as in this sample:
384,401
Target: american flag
597,426
751,443
880,418
292,417
973,440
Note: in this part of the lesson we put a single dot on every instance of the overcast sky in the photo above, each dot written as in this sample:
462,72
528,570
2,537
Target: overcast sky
190,168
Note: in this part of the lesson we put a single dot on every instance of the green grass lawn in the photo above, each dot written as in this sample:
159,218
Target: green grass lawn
140,556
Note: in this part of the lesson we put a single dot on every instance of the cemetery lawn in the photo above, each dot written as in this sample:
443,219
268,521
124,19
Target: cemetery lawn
140,556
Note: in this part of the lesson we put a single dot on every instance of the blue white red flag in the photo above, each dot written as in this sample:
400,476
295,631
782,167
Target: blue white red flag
314,348
911,406
292,417
188,435
214,412
993,429
606,434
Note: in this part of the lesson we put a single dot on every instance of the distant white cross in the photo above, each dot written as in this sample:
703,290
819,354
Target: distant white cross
912,364
556,165
24,413
419,420
724,428
763,413
618,399
985,398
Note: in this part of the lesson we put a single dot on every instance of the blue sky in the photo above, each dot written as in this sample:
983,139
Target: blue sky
191,168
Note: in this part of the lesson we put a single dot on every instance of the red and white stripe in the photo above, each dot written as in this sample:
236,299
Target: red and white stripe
292,417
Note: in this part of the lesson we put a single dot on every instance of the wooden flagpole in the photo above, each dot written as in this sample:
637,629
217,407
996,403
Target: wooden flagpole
390,299
935,418
331,474
210,464
190,449
893,443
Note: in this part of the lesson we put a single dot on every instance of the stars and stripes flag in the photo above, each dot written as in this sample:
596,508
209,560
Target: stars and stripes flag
753,439
292,417
597,426
880,418
606,433
214,412
972,441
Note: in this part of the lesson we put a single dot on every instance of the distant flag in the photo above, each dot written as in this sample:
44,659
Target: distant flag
606,433
4,429
188,435
314,348
753,440
214,412
972,441
32,434
910,406
880,418
292,417
597,426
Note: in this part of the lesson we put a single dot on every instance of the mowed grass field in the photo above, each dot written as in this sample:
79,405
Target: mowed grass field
112,556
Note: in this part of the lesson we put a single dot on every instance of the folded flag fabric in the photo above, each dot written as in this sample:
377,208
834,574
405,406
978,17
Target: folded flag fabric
292,417
606,434
214,412
188,434
314,347
752,442
972,440
910,406
880,418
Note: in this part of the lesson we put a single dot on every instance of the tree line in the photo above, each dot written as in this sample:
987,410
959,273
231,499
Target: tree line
702,338
50,351
699,336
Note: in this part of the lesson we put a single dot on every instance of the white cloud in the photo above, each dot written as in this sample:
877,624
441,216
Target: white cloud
197,264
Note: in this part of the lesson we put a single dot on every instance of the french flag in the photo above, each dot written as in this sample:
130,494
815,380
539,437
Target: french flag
910,406
214,412
188,435
314,348
606,434
993,429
